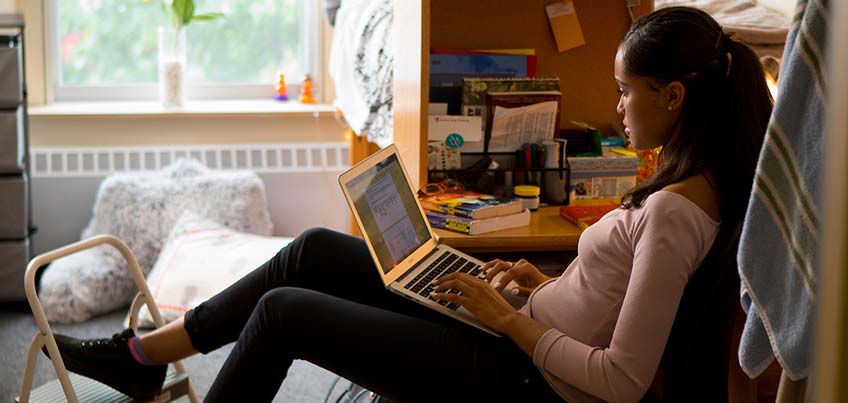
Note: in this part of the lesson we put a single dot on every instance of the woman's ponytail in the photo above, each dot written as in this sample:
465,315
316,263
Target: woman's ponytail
748,109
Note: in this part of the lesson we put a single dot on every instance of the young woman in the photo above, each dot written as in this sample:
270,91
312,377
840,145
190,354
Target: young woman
596,332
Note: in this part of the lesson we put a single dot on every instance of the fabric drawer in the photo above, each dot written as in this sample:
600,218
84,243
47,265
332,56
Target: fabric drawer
14,256
13,207
11,77
12,141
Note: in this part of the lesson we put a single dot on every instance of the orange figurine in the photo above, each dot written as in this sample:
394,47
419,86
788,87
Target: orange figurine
306,91
280,88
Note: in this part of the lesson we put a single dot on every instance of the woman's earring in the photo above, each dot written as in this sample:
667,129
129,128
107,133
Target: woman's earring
669,107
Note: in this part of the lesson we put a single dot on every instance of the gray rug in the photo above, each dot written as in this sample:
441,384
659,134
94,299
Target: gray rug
305,383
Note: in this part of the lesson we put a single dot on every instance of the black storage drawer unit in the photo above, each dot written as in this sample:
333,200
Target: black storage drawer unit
12,141
14,256
11,72
13,207
16,227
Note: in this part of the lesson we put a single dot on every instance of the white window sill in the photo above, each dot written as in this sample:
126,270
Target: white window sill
192,109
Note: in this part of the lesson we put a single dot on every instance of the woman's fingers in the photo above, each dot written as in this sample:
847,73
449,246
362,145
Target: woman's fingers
453,283
461,282
491,268
490,263
496,268
459,299
515,272
521,291
452,280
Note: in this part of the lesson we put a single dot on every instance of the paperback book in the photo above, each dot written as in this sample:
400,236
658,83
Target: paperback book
584,216
471,205
474,227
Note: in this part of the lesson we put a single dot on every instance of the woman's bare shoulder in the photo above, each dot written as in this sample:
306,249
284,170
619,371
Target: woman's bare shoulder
698,190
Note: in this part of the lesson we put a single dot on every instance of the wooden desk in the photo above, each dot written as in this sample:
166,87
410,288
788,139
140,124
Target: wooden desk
547,232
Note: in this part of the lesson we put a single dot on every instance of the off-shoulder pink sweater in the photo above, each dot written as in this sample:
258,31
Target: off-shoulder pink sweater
610,313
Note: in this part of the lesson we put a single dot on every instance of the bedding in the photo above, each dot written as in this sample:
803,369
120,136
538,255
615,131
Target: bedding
362,67
762,29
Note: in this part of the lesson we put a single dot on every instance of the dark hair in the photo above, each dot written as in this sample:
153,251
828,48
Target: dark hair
726,106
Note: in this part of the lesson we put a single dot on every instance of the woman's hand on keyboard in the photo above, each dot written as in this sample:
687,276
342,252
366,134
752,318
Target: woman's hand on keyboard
476,295
527,276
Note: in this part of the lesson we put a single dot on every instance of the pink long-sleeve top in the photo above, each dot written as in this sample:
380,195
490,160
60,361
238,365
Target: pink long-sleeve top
611,312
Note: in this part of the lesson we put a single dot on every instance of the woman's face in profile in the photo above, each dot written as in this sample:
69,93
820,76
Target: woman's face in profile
647,120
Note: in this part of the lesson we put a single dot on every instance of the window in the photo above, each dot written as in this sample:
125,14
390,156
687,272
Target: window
107,49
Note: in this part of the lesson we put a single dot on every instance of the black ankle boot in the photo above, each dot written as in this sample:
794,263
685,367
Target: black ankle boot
110,362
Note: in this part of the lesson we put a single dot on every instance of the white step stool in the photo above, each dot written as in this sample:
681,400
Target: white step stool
75,388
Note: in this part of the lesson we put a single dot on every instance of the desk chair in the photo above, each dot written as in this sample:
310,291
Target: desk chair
75,388
694,367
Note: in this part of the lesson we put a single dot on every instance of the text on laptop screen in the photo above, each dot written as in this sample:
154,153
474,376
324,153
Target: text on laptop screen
389,212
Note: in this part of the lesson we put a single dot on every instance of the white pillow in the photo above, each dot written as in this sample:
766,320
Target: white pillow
199,260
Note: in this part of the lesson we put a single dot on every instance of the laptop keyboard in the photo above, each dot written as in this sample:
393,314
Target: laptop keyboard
423,284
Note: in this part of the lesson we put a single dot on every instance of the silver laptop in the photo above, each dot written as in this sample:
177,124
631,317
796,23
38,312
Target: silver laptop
399,236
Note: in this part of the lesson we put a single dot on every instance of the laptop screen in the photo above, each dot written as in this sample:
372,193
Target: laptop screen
389,212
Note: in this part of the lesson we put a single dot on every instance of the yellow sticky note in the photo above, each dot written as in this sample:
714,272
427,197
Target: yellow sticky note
564,24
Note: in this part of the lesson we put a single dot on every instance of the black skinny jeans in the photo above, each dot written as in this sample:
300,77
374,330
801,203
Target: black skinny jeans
320,299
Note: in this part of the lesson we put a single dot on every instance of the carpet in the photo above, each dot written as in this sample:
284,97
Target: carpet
305,383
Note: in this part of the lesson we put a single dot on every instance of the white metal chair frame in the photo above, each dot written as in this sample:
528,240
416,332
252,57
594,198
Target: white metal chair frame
44,336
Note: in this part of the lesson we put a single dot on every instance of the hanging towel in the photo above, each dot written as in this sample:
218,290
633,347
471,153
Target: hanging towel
778,251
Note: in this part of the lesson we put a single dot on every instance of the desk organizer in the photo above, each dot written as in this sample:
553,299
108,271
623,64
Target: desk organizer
554,183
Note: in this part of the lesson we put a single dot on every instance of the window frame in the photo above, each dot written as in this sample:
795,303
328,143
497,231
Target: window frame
310,43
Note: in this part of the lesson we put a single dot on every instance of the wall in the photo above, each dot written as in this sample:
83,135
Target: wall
300,182
62,206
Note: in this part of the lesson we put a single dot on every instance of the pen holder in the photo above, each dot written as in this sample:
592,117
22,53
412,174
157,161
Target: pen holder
555,183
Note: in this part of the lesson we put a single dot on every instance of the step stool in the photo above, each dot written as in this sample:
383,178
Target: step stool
75,388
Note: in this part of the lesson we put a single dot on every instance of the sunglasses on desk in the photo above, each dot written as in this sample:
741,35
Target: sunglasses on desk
440,188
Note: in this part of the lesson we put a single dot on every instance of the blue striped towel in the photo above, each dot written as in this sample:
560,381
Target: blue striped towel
778,251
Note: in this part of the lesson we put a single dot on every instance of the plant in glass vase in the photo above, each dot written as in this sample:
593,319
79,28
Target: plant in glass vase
172,48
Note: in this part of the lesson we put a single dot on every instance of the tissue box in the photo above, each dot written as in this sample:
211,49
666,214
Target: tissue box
607,161
601,185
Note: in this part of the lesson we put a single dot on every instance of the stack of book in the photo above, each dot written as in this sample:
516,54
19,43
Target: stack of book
474,213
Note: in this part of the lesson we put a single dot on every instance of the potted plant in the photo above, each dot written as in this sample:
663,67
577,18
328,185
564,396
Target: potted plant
172,48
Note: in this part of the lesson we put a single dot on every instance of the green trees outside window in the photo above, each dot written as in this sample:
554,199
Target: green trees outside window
113,42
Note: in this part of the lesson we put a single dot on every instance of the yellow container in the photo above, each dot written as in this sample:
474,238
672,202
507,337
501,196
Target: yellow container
529,196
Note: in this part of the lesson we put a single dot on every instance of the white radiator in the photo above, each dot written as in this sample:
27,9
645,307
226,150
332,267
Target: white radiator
261,158
300,182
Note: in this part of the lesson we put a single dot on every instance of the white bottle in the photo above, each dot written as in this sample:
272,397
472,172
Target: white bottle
554,182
